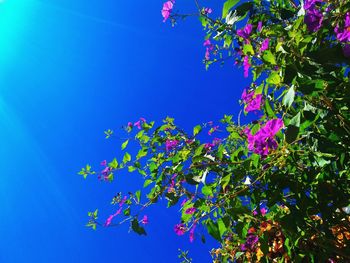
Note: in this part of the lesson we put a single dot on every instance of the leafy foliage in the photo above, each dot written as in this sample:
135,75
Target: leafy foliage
273,190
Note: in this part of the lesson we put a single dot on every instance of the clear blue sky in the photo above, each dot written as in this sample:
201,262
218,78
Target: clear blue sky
68,71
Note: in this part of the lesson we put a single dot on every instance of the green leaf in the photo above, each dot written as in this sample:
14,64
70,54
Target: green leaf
138,196
113,164
137,228
127,211
131,168
126,158
292,131
289,97
225,181
222,227
207,191
269,57
268,110
248,49
295,121
274,78
147,183
213,230
142,153
125,144
227,6
197,130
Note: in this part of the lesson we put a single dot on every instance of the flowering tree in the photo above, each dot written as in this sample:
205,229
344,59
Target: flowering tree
276,189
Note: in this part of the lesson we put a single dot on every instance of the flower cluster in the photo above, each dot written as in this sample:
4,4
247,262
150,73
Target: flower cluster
313,16
167,9
263,141
251,100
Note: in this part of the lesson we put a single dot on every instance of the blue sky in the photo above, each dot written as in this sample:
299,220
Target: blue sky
68,71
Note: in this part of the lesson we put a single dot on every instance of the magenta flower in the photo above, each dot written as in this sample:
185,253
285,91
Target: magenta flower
208,146
170,144
190,210
343,35
183,202
207,11
214,129
265,45
308,4
247,97
180,229
190,141
209,47
263,211
313,19
192,233
130,124
167,9
273,126
110,218
207,54
260,25
138,124
263,140
144,220
246,66
250,243
103,163
245,32
254,104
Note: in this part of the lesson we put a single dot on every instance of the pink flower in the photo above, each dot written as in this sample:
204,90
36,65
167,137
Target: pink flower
245,32
207,54
121,203
208,146
104,163
313,19
144,220
265,45
190,141
209,47
130,124
167,9
210,132
263,140
110,218
192,233
138,124
247,97
254,104
263,211
246,66
190,210
207,10
343,35
180,229
259,26
171,144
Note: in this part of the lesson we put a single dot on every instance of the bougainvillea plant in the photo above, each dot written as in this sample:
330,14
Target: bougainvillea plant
276,189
